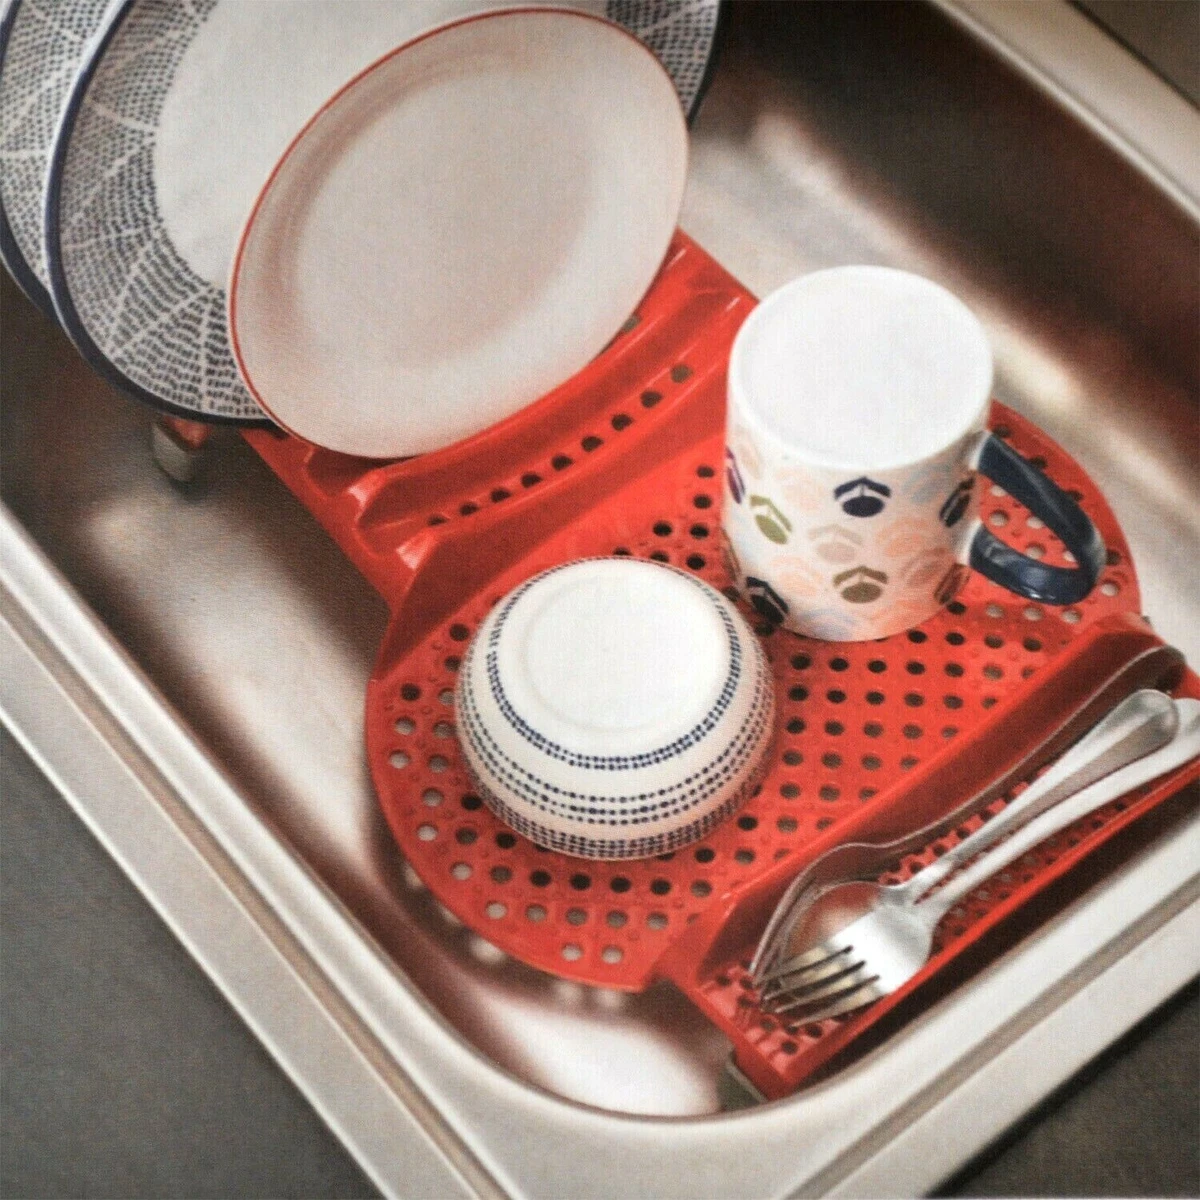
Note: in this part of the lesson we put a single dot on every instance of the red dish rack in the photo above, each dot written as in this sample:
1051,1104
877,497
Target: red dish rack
873,737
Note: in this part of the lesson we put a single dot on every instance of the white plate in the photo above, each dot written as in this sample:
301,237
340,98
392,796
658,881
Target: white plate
462,228
171,129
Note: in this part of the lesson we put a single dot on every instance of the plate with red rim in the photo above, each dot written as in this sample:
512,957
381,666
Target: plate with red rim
465,225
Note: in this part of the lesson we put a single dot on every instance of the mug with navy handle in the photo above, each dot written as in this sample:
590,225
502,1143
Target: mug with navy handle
856,437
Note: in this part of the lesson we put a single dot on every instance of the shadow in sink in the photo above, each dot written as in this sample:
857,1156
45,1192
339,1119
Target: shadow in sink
832,133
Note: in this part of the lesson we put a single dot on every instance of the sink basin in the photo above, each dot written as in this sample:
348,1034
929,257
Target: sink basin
189,662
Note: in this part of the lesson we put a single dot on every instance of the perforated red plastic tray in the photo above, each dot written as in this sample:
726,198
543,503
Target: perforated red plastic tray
624,459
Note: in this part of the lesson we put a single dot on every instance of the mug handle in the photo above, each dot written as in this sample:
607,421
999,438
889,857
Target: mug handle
1016,571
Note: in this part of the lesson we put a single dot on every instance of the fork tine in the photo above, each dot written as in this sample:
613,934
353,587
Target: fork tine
854,975
867,992
819,953
836,962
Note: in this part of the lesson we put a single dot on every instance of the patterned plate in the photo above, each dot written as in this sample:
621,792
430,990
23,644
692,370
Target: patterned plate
43,44
169,132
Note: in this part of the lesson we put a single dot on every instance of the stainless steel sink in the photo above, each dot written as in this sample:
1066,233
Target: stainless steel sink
189,663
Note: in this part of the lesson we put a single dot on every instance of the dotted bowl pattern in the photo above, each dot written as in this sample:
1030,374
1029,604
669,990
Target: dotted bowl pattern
618,806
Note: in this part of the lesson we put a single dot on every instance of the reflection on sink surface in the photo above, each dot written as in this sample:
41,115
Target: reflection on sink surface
832,134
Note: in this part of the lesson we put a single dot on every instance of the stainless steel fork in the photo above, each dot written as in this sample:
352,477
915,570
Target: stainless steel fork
876,953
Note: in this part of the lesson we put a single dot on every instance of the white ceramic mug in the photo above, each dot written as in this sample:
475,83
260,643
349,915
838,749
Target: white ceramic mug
856,429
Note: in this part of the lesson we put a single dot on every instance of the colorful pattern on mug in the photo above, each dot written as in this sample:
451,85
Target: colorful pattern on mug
957,503
733,477
860,585
951,583
773,525
767,602
862,497
835,544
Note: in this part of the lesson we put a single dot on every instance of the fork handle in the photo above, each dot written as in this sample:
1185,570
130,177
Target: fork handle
1184,746
1139,724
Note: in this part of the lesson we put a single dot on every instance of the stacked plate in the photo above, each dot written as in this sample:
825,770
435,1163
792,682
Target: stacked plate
383,225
